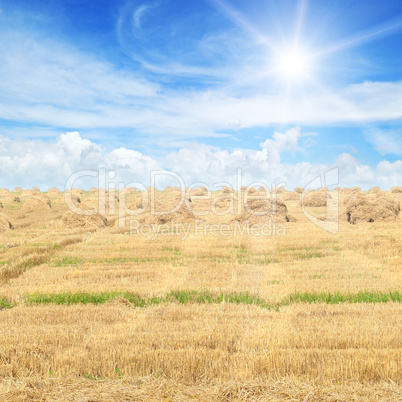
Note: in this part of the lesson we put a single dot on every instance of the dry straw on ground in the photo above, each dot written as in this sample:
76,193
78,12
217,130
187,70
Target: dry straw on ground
73,220
396,189
371,207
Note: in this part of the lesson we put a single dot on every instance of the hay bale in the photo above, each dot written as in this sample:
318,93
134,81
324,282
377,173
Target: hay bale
100,204
396,189
35,190
73,220
371,207
77,192
138,202
53,192
90,203
162,214
374,190
5,223
42,197
315,199
279,190
128,191
350,190
248,189
260,211
299,190
74,198
222,202
290,196
4,191
17,190
10,199
37,203
199,192
227,190
27,192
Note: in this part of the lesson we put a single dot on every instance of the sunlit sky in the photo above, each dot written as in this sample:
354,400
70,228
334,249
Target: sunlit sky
284,90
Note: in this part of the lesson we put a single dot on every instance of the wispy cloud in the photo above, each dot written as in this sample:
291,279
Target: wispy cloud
138,14
386,142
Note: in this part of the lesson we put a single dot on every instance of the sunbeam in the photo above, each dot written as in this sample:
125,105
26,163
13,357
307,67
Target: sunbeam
363,37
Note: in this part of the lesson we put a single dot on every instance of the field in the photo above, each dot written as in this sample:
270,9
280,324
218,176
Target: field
105,314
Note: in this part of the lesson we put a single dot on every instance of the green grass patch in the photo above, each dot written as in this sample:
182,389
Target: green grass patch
337,297
275,282
4,303
208,297
268,259
307,254
317,276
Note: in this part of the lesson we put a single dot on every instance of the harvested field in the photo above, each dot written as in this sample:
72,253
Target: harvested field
105,314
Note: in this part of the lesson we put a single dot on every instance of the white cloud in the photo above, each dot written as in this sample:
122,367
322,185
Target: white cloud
47,164
386,142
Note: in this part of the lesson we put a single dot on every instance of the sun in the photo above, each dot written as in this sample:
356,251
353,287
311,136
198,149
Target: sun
293,63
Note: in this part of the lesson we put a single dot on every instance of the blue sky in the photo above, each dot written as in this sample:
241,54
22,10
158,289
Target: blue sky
142,85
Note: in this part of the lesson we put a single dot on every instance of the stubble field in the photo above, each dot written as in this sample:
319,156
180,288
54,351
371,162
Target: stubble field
105,314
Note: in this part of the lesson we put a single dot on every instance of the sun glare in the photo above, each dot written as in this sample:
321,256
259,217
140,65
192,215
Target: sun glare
293,63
